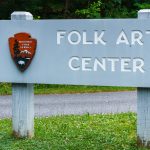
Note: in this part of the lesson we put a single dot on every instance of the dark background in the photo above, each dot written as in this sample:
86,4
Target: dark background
46,9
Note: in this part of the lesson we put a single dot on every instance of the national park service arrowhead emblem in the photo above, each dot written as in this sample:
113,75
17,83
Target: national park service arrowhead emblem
22,49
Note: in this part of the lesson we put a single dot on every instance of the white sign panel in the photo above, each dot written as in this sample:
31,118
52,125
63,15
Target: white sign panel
84,52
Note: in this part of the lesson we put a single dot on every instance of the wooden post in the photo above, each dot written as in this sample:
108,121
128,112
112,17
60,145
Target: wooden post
143,104
22,98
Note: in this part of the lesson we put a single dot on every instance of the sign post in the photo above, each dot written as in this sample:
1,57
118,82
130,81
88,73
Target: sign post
22,98
143,104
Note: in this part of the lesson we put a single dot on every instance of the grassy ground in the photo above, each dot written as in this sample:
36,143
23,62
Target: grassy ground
61,89
74,132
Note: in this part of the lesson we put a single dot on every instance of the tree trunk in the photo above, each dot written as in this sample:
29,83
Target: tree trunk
67,3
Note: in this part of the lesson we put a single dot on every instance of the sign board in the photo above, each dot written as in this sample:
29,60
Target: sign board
82,52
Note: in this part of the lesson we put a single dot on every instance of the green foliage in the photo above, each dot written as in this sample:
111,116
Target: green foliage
143,5
75,132
93,11
74,8
5,88
118,9
43,9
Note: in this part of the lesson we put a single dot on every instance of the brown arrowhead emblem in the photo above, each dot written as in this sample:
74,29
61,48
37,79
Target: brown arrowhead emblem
22,49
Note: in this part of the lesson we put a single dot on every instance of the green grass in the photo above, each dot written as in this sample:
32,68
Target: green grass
61,89
5,89
74,132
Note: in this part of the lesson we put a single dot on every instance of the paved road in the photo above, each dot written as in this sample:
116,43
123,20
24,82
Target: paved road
105,102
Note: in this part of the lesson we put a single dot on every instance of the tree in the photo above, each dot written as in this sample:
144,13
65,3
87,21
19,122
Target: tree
43,9
16,48
47,9
93,11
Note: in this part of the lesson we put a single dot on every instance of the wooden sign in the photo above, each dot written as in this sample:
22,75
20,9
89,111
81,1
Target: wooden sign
22,49
103,52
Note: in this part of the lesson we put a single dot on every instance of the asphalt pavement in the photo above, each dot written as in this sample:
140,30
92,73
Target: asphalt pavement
93,103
